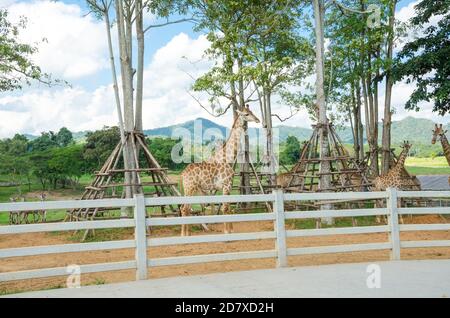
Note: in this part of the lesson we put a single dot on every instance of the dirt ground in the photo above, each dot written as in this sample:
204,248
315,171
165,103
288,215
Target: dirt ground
59,260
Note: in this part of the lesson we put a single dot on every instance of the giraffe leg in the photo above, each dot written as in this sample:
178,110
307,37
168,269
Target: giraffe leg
227,227
378,205
185,211
401,216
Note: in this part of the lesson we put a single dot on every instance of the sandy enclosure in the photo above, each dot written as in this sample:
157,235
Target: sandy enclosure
58,260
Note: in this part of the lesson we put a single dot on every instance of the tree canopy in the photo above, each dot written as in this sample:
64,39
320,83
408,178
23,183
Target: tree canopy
424,60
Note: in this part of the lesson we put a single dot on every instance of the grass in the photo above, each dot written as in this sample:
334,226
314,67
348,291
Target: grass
414,165
421,171
427,166
101,235
437,162
306,224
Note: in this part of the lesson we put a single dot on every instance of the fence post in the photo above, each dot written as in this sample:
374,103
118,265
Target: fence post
280,228
394,236
140,236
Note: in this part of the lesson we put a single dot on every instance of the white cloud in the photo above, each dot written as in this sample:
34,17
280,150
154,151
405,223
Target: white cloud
166,100
74,46
42,110
401,93
404,15
167,78
407,12
170,75
6,3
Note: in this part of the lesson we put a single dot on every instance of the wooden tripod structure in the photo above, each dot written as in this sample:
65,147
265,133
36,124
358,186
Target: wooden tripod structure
346,173
109,180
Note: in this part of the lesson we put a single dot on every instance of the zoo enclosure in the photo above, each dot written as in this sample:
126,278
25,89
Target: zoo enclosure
280,234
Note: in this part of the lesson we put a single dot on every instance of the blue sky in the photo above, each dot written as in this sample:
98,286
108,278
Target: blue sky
76,51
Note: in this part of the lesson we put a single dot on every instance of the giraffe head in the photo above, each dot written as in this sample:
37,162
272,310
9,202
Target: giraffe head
246,115
19,198
405,149
437,132
406,145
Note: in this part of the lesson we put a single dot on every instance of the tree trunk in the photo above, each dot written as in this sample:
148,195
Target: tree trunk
114,77
353,118
375,121
386,138
361,126
140,65
245,159
270,153
324,169
127,91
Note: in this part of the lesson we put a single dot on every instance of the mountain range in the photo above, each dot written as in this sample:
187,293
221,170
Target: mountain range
415,130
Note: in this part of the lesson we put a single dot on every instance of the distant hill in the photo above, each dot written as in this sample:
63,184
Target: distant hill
78,136
299,132
201,124
30,137
415,130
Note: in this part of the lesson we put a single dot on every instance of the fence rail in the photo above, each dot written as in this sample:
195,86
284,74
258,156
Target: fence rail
143,260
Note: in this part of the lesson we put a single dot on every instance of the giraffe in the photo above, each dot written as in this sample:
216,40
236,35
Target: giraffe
23,217
15,216
40,216
19,217
439,132
394,177
216,173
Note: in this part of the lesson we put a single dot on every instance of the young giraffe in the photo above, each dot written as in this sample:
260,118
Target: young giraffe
439,132
23,217
393,178
216,173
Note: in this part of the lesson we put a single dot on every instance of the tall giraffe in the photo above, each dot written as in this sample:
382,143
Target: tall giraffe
439,132
394,177
216,173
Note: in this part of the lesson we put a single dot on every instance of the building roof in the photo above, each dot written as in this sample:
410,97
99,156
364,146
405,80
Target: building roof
434,182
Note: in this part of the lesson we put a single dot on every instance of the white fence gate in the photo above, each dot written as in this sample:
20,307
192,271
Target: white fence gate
143,261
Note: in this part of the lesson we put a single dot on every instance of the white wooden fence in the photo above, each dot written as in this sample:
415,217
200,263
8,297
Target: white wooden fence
143,261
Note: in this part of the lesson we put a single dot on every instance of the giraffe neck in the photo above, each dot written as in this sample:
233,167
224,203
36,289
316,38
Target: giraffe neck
400,163
446,148
228,152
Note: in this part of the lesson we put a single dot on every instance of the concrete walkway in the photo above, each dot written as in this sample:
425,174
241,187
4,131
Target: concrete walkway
398,279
